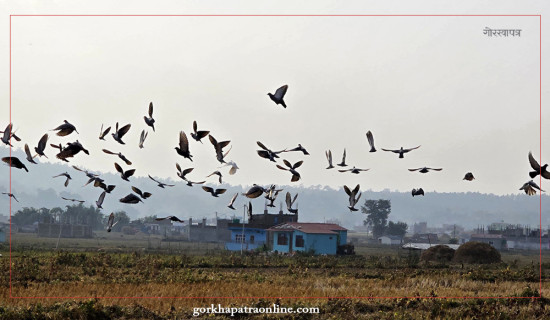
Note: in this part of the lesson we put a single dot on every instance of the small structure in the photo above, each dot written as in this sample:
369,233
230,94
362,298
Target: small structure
319,238
391,240
498,241
201,232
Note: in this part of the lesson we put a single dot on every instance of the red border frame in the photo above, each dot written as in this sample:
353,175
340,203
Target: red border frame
303,15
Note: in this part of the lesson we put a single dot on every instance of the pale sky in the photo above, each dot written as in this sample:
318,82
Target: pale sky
471,101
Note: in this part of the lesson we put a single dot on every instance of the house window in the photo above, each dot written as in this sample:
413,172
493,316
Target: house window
252,239
282,239
240,238
299,241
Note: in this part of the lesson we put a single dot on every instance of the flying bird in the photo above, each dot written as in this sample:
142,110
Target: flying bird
86,172
469,176
401,151
149,120
249,211
70,150
120,155
230,205
300,148
161,184
7,135
143,195
343,163
29,155
354,170
14,162
142,138
111,222
65,129
131,199
352,199
171,218
537,168
124,174
198,135
329,159
102,133
290,202
267,153
271,195
183,149
66,175
42,145
417,192
370,138
529,188
425,169
99,201
183,173
11,196
219,174
292,169
218,146
73,200
119,133
254,192
214,192
233,166
279,95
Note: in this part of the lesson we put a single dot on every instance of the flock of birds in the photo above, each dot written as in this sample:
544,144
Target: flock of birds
71,149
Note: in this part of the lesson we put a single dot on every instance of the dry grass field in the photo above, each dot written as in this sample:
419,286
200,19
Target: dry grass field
180,273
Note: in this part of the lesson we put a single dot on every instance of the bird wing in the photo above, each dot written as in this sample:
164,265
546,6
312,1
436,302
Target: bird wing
195,126
263,154
282,168
356,189
220,191
108,152
101,198
394,151
435,169
344,156
407,150
288,200
7,132
233,199
347,190
287,163
186,171
42,143
153,179
136,190
370,138
150,109
207,189
534,164
280,93
297,164
119,168
122,131
28,151
415,169
184,143
213,141
129,173
344,170
262,145
294,200
329,156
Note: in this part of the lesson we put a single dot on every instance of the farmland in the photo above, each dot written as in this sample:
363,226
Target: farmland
114,266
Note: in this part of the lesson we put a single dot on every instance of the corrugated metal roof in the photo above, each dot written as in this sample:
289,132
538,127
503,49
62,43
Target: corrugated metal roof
308,227
424,246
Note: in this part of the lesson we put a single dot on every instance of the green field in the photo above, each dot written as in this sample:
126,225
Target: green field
112,265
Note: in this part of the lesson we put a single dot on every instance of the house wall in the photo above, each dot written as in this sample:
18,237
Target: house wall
343,237
282,248
260,238
321,243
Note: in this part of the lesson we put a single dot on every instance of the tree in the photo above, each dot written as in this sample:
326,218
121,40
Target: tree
377,212
397,228
28,216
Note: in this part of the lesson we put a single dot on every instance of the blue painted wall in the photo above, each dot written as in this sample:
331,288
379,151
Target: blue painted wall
281,248
260,237
319,243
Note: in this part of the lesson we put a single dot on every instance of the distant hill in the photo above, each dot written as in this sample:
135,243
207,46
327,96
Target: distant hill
38,189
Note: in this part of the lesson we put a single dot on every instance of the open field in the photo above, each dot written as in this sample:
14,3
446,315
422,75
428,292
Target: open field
134,268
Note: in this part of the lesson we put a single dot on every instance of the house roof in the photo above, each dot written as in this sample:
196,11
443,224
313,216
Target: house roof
308,227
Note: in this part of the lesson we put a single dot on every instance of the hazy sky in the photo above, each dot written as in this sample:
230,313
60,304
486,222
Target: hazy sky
471,101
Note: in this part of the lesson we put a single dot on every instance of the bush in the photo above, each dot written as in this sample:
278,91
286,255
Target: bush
440,253
477,252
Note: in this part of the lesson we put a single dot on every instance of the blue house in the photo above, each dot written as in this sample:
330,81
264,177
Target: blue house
321,238
254,234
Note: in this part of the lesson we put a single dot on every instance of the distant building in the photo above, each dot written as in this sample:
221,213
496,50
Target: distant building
425,238
390,240
496,240
201,232
319,238
253,234
421,227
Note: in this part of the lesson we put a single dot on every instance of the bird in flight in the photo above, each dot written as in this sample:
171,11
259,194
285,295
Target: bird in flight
131,199
73,200
102,133
99,201
233,166
41,145
66,175
401,151
28,154
329,159
529,188
469,176
425,169
537,168
65,129
111,222
218,146
300,148
124,174
219,174
120,155
254,192
14,162
290,203
292,169
161,184
70,150
11,196
230,205
143,195
7,135
352,197
171,218
119,133
370,138
267,153
183,149
343,163
142,138
354,170
198,135
417,192
149,120
213,192
279,95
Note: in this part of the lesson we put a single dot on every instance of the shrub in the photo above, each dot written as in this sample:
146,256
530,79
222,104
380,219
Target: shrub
477,252
440,253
